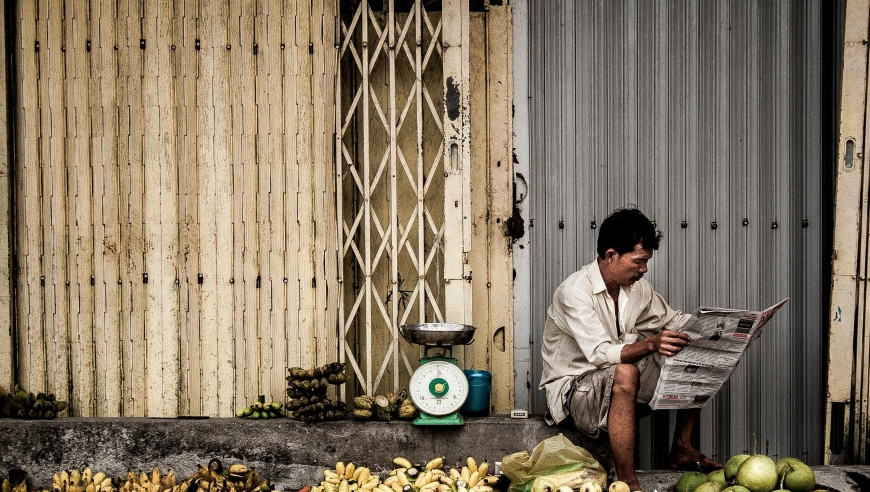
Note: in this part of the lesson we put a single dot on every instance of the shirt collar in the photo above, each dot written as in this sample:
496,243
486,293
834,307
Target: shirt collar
598,282
596,279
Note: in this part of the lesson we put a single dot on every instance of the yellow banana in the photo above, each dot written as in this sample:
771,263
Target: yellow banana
403,479
339,468
489,480
75,477
90,488
344,486
353,486
357,472
155,475
472,465
86,475
106,484
454,474
429,487
328,486
327,473
482,469
97,478
396,486
391,480
383,488
445,480
484,488
368,485
465,474
444,488
435,463
422,479
332,480
473,479
402,462
349,469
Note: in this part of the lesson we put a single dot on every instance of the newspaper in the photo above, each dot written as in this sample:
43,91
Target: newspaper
719,338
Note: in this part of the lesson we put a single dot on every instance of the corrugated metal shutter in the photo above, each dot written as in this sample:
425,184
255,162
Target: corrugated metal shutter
706,116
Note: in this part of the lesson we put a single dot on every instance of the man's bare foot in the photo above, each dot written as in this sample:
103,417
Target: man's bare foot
692,460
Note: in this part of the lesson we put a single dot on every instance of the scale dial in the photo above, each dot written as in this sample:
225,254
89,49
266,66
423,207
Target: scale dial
438,388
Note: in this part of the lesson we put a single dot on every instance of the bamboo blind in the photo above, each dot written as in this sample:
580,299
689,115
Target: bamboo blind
174,219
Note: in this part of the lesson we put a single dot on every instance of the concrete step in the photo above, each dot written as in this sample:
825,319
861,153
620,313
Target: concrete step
292,453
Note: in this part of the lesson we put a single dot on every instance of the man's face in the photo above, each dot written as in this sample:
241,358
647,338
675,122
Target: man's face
628,268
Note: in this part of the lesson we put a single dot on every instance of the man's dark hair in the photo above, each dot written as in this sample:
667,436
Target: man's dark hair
624,229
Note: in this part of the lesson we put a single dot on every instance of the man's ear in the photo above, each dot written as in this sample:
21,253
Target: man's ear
610,253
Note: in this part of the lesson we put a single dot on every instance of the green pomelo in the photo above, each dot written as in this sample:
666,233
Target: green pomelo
690,481
717,476
709,487
783,462
799,479
732,465
758,474
736,488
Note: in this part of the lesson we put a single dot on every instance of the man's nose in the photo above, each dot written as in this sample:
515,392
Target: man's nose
643,269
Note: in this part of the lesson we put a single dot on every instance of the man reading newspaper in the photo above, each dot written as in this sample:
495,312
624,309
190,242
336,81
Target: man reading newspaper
606,333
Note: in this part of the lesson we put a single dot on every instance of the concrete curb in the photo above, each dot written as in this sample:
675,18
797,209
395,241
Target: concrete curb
292,453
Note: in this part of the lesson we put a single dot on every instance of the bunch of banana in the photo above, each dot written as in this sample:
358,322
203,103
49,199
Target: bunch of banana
15,482
237,478
81,481
261,410
306,393
319,411
473,477
151,482
349,478
308,382
384,407
22,404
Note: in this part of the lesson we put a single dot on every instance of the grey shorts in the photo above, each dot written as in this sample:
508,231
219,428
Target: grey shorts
589,396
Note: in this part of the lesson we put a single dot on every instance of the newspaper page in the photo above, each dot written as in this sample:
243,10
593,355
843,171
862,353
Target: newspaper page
719,338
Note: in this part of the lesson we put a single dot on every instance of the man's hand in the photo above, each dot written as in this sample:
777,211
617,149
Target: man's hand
669,342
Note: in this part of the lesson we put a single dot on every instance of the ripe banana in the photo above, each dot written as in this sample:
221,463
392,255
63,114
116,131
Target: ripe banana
454,474
435,463
403,478
482,469
465,473
402,462
339,468
472,465
473,479
349,469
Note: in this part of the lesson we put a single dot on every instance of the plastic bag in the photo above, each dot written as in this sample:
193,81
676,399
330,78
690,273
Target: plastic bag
554,462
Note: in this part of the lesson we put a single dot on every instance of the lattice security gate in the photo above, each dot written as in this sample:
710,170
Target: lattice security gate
402,200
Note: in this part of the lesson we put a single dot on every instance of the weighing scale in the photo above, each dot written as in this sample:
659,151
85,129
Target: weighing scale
438,387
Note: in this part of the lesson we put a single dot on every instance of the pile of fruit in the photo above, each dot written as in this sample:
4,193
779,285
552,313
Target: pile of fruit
211,478
261,410
306,393
26,405
407,477
751,473
384,407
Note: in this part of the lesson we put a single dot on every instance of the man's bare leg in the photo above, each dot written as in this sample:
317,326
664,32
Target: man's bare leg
622,422
684,456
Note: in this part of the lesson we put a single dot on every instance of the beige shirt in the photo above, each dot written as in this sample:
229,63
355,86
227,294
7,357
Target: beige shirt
581,335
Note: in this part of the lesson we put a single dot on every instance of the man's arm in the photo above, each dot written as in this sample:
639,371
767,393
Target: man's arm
666,342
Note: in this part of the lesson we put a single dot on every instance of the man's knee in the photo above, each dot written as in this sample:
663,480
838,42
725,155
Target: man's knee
626,379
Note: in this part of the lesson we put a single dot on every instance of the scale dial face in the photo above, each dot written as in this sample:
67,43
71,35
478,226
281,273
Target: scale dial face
438,388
